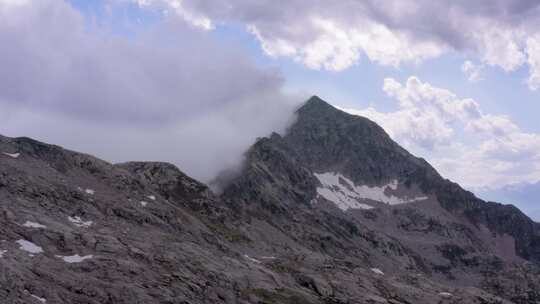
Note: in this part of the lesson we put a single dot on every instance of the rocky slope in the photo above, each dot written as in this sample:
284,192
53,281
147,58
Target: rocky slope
334,211
523,195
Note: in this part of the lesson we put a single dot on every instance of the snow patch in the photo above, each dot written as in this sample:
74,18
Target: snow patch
33,225
251,259
29,246
2,252
42,300
341,199
152,197
445,294
346,194
90,191
417,199
377,271
74,258
143,203
12,155
393,185
77,221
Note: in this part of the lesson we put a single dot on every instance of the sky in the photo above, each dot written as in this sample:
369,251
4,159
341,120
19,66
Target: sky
195,82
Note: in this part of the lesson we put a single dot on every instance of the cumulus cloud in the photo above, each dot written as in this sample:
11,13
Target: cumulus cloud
335,35
474,148
500,46
472,71
533,52
192,17
321,34
170,92
427,114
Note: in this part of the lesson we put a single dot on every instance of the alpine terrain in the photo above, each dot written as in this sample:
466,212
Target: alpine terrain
333,212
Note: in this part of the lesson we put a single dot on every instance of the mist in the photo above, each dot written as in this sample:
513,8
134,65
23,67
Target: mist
168,93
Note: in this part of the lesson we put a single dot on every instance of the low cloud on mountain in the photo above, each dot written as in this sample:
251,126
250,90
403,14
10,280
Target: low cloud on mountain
167,92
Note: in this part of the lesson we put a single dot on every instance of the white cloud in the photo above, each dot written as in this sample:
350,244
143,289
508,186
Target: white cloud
335,35
474,148
192,17
13,2
533,52
472,71
500,46
336,48
426,115
411,126
315,35
496,125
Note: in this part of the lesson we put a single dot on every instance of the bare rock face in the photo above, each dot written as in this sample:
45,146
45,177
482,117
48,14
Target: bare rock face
333,211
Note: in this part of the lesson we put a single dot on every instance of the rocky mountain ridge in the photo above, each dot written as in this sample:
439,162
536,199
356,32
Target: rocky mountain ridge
333,211
523,195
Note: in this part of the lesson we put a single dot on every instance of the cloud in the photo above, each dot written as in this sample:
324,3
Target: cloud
474,148
500,46
335,35
319,34
13,2
533,52
192,17
426,115
472,71
169,92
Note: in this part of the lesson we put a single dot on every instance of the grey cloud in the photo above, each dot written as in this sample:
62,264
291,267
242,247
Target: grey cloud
449,21
443,19
170,93
168,73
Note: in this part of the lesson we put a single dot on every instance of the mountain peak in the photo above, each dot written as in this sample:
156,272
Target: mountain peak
316,105
314,100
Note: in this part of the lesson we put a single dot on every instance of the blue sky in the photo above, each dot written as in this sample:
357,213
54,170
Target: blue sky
460,90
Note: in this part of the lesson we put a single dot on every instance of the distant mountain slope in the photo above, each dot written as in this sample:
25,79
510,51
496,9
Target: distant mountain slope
333,212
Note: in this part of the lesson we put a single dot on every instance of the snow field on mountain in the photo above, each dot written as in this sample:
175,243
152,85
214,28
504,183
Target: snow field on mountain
346,194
